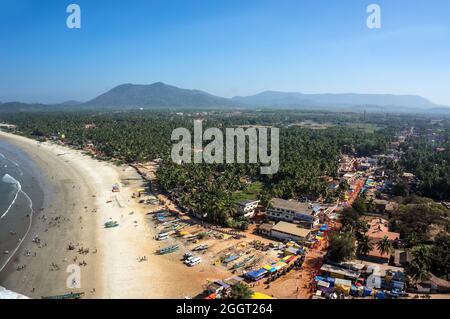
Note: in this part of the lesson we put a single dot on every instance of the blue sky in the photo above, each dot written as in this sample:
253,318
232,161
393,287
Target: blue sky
224,47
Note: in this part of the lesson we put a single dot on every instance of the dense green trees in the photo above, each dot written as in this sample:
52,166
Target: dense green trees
360,205
342,246
440,256
433,259
364,246
241,291
419,268
429,159
416,219
308,157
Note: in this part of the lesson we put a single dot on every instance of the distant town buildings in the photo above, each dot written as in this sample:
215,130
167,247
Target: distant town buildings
8,126
89,126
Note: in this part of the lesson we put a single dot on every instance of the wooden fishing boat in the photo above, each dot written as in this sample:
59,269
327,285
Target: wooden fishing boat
77,295
168,250
242,263
111,224
201,247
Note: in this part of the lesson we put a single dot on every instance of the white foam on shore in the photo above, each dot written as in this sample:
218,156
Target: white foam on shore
11,161
9,179
8,294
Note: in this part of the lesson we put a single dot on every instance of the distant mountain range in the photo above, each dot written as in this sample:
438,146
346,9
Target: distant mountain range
273,98
160,95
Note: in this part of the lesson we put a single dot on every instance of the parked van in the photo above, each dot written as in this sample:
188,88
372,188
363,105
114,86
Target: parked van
187,255
194,261
162,236
189,259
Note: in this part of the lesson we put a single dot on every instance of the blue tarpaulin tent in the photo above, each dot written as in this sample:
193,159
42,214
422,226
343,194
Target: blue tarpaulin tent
380,295
256,275
367,292
320,278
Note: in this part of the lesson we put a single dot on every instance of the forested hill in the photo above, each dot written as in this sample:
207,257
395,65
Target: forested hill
157,95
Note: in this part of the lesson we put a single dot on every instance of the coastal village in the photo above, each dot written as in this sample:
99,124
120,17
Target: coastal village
225,158
283,254
284,251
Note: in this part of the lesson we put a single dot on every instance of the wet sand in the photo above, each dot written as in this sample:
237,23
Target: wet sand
80,202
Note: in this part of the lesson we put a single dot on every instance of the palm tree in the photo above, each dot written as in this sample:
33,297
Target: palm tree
385,246
361,228
419,267
365,245
412,239
230,206
265,198
417,271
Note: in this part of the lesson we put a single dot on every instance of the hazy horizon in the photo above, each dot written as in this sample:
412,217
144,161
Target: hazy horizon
307,93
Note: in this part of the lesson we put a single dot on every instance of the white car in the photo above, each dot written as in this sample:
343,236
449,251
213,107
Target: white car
189,259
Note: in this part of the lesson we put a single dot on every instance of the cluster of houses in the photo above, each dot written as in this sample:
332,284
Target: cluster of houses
290,220
377,274
8,126
359,279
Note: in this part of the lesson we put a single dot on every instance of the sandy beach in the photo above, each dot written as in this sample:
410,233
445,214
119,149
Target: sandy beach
76,206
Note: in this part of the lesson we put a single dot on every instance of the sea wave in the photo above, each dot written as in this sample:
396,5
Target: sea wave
8,294
12,162
11,180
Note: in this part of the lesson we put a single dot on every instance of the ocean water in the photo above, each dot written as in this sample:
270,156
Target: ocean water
21,197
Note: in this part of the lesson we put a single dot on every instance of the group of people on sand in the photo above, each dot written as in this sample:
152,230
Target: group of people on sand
142,259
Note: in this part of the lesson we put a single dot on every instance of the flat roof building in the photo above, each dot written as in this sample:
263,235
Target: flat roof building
293,211
289,231
265,229
338,272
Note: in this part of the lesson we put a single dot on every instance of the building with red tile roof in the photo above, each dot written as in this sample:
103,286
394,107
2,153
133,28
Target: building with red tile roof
379,229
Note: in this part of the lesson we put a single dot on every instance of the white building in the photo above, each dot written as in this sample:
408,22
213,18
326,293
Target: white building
294,212
247,207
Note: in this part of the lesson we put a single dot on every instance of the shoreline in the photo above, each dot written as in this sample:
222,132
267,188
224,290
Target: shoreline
54,225
18,218
82,202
